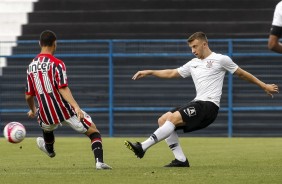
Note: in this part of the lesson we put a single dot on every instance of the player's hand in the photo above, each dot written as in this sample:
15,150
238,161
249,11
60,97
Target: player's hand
141,74
32,113
270,89
79,113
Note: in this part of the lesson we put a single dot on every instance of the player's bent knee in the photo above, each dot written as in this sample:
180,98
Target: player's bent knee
175,118
91,130
161,121
163,118
93,126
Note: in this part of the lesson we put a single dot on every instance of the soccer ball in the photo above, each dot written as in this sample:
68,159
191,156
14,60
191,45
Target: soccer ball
14,132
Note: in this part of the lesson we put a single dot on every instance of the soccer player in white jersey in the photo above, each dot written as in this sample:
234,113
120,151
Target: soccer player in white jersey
207,71
276,30
47,81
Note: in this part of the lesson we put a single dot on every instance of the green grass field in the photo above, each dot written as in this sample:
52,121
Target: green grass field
212,160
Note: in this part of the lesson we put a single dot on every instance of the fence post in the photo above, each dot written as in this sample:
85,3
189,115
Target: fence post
111,90
230,93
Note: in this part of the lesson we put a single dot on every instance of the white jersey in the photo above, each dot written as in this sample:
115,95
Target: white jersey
208,75
277,17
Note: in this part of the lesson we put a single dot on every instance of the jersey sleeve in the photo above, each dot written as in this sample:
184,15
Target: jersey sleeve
29,90
184,70
227,63
61,75
277,17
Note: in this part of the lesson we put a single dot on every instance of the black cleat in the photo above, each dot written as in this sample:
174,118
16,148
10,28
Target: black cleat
177,163
136,148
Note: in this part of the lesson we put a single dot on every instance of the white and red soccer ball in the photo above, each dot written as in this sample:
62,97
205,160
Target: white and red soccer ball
14,132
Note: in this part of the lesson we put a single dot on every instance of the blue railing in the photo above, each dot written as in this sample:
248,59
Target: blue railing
110,51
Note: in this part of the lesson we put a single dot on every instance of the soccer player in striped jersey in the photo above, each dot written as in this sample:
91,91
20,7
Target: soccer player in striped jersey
47,81
207,71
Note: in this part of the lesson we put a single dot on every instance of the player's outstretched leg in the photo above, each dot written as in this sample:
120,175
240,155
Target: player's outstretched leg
41,145
136,148
97,148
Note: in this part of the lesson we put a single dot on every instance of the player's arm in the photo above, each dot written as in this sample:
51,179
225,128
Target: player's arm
268,88
167,73
67,95
274,44
275,34
31,104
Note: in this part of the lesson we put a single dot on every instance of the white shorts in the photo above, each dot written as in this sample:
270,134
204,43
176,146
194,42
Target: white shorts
73,122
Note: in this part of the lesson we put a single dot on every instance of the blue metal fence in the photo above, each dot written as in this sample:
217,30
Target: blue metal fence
112,49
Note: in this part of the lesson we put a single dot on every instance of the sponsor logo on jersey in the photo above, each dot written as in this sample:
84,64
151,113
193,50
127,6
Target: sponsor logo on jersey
37,65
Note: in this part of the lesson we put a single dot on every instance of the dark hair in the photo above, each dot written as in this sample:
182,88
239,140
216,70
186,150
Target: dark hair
198,36
47,38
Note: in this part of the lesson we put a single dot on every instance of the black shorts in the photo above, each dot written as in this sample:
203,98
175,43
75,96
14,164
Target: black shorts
197,115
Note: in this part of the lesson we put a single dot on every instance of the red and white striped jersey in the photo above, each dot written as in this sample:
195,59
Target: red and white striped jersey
45,76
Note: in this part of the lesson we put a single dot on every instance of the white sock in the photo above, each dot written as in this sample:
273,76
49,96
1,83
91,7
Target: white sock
174,145
160,134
